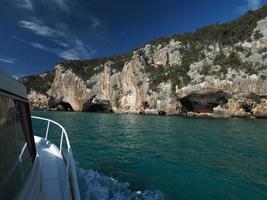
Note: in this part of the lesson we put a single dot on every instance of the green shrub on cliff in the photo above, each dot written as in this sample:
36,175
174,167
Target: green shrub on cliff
206,70
157,74
220,59
85,69
176,74
263,50
232,61
39,83
179,76
249,68
264,57
258,35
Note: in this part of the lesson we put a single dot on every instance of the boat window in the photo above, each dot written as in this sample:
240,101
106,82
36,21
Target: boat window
17,151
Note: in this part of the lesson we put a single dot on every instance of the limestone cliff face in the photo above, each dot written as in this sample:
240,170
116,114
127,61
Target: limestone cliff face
177,76
68,88
126,91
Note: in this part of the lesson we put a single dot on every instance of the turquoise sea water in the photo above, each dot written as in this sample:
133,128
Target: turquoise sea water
154,157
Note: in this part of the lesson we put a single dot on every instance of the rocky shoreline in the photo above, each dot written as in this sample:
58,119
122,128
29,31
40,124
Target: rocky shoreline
189,114
248,108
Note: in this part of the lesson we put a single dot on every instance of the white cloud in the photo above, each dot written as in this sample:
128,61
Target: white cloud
249,5
8,60
95,22
68,54
61,43
36,45
62,4
78,51
26,4
43,47
62,53
39,28
82,50
69,45
18,39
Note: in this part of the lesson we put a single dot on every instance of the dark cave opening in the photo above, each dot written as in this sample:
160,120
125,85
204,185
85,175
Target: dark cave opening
97,108
97,105
62,106
247,107
204,103
59,105
162,112
145,105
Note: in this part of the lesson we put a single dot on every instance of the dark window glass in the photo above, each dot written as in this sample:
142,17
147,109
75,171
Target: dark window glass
16,159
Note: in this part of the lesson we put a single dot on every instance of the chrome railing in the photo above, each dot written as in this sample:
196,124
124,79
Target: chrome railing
69,161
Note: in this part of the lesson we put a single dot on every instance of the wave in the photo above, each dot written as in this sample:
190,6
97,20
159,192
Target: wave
96,186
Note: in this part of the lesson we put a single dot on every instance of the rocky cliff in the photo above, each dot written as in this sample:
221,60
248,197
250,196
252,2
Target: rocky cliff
220,70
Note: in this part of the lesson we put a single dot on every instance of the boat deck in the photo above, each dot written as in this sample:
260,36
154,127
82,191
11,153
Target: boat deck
53,171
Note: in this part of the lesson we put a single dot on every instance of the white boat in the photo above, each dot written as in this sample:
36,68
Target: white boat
31,167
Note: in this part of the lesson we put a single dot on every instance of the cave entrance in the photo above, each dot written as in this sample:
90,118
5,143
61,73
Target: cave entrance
97,108
204,103
62,106
247,107
97,105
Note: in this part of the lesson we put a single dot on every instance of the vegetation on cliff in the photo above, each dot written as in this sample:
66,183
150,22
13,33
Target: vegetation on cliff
85,69
39,83
227,34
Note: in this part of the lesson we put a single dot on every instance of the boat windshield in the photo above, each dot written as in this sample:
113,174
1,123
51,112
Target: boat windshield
17,150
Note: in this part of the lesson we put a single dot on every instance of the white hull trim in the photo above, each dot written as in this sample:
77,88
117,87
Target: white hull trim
67,156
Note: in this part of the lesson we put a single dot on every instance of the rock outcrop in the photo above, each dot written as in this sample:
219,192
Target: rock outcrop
222,76
38,101
68,87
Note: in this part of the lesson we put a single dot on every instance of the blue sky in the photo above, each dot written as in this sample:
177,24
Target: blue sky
36,34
